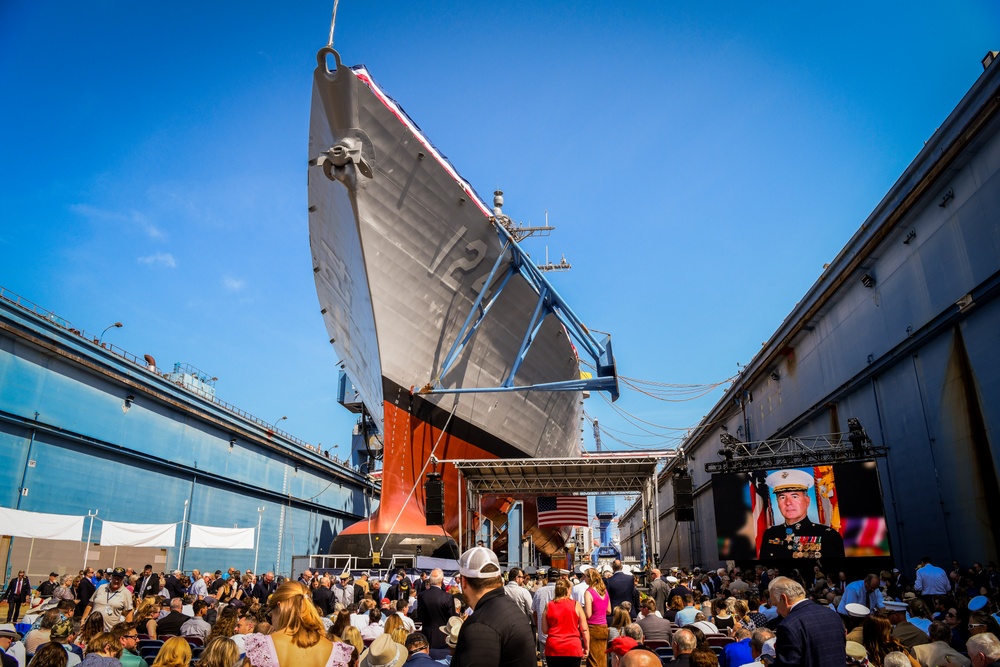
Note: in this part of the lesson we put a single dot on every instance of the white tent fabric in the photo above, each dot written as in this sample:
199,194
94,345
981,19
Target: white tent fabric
210,537
19,523
117,534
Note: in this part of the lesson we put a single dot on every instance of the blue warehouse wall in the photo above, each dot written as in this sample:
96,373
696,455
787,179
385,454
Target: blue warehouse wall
67,428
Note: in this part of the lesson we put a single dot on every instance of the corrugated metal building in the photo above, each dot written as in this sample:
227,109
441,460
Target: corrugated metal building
902,331
88,428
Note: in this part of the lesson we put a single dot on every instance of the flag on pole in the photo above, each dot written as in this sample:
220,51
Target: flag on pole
562,511
760,506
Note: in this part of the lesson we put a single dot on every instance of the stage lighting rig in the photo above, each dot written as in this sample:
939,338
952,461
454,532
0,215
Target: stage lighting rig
855,445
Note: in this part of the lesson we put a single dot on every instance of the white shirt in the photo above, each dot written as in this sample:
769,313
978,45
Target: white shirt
372,631
407,622
579,591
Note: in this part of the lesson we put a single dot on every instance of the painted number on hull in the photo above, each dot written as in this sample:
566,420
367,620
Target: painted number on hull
473,256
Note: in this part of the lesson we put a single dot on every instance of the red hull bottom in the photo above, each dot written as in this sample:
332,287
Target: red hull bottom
399,526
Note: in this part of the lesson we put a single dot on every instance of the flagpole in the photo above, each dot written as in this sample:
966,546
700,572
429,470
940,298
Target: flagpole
256,549
90,533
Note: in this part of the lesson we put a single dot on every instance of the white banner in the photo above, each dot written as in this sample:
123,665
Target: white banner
209,537
18,523
116,534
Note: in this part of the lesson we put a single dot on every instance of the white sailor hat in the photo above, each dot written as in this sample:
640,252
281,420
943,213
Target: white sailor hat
857,610
978,602
672,579
790,480
894,605
856,650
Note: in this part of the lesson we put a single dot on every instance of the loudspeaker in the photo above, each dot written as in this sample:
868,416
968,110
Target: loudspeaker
683,498
434,499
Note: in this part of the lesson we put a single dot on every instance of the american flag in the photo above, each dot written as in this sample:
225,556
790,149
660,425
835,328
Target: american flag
562,511
866,536
760,505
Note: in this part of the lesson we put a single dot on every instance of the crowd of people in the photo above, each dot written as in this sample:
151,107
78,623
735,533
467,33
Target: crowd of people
481,615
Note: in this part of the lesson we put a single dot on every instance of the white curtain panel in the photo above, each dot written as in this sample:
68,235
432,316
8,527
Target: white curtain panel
209,537
18,523
117,534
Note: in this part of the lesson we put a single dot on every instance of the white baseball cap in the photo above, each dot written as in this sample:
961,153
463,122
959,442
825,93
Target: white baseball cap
479,563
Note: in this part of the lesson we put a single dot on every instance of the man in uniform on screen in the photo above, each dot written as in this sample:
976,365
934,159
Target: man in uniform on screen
798,536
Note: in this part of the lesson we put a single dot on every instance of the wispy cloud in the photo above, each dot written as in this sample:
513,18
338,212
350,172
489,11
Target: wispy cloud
233,284
132,218
164,259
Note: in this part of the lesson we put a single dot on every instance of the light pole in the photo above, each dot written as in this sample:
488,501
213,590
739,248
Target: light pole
274,426
256,549
116,325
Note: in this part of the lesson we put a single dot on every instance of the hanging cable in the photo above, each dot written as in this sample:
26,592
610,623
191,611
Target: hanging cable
333,22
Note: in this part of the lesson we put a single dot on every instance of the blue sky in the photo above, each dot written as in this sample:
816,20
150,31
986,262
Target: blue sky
701,162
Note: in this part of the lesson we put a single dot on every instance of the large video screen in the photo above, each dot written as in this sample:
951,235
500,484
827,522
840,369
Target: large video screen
800,513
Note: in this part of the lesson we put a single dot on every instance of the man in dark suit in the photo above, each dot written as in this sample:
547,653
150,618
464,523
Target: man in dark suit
434,607
17,593
84,591
809,635
262,589
323,596
148,584
172,622
683,643
621,588
7,637
175,587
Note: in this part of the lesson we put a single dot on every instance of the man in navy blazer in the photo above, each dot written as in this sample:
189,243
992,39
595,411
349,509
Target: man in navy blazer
434,607
621,588
809,634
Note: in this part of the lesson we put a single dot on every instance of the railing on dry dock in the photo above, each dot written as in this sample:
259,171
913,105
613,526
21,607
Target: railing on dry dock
50,317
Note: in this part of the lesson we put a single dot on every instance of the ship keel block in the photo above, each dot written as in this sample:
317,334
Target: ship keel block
399,524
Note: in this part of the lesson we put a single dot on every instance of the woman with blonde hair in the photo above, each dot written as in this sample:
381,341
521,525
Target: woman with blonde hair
298,638
175,652
619,620
225,624
352,636
399,635
146,614
219,652
596,605
391,623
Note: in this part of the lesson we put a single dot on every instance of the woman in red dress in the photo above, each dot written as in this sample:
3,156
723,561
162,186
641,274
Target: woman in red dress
565,624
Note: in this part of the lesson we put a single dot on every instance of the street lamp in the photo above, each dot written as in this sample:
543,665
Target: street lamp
275,424
116,325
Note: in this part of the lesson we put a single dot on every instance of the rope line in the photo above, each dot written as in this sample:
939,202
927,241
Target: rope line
333,22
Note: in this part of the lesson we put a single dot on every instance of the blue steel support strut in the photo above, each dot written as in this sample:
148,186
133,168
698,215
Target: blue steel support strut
529,335
550,302
466,332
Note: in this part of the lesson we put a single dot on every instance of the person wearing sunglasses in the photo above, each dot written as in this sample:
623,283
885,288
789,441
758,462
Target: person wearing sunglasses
128,637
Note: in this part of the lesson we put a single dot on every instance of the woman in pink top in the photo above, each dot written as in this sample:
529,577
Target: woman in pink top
596,604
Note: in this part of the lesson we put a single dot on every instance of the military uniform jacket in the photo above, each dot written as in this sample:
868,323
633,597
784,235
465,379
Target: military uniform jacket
803,539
